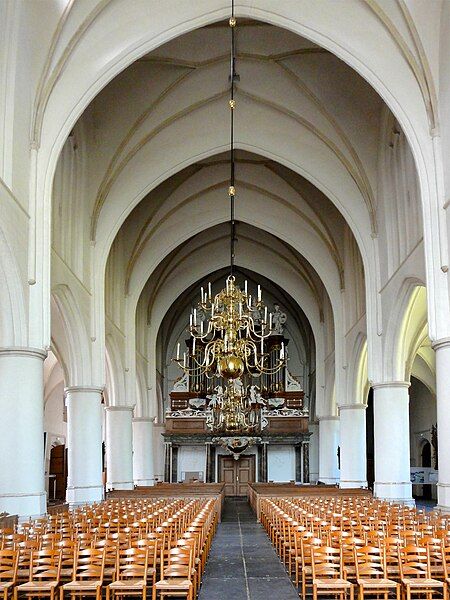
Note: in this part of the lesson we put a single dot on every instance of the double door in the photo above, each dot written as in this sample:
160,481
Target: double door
236,474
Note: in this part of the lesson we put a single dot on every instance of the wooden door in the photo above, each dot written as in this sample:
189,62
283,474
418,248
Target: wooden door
236,474
58,470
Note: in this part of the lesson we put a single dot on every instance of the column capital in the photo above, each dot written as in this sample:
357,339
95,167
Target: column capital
391,384
143,419
119,408
23,351
352,407
83,389
442,343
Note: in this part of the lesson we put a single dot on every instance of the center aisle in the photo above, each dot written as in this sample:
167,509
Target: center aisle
242,564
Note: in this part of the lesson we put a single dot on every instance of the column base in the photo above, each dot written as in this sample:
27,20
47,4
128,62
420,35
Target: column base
394,492
119,485
347,484
84,494
328,480
443,491
144,482
23,504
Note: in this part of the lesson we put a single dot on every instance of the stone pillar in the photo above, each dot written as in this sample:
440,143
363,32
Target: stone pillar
84,444
119,448
298,463
353,446
168,462
328,447
442,349
22,484
305,461
264,462
208,448
391,441
143,466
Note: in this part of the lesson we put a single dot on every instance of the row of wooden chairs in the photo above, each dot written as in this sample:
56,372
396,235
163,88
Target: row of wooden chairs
176,549
396,556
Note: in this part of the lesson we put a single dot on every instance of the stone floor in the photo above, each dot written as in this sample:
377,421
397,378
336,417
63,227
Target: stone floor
242,564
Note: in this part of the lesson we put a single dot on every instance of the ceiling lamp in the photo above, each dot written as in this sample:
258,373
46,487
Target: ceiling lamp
228,331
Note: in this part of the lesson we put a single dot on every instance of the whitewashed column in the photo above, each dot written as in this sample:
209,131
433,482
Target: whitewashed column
328,446
143,463
353,453
22,485
84,444
391,441
442,349
119,448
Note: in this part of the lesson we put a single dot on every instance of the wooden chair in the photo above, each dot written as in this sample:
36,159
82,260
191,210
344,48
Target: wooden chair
132,574
306,545
68,550
111,548
328,573
45,574
151,544
371,575
88,570
9,562
415,573
446,563
177,579
25,550
391,546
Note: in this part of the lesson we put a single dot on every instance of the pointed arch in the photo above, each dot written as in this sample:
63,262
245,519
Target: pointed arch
70,337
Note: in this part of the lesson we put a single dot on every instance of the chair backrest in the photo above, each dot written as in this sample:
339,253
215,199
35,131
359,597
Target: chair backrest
9,561
370,562
133,563
152,547
414,562
181,560
45,565
89,564
326,562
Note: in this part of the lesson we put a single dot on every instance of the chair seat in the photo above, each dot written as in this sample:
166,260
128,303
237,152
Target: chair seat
130,584
38,585
418,583
332,583
83,585
173,583
377,583
5,585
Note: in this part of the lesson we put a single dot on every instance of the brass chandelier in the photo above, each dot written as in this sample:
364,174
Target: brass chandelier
228,331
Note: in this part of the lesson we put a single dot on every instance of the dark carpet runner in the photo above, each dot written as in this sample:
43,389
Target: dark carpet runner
242,564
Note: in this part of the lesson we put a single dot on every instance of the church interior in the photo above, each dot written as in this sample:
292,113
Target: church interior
225,298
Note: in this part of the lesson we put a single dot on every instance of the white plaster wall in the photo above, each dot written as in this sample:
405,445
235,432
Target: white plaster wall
191,458
158,448
281,463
